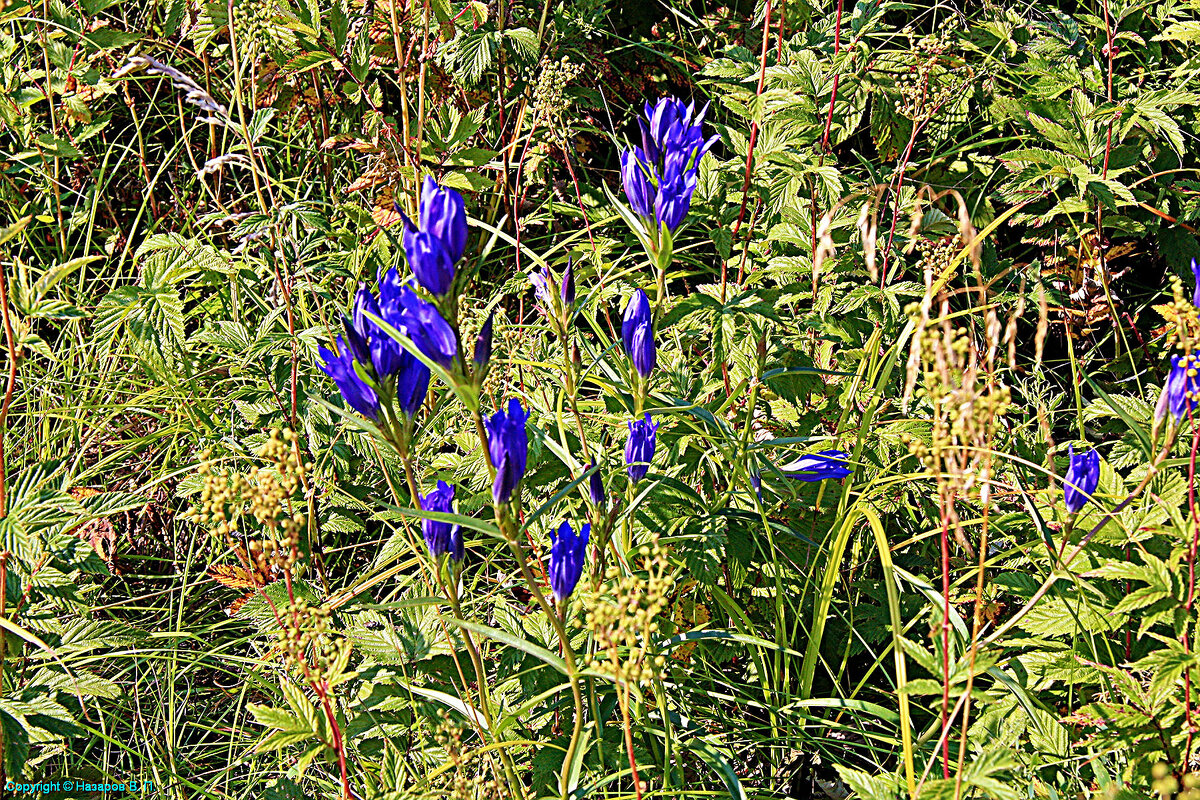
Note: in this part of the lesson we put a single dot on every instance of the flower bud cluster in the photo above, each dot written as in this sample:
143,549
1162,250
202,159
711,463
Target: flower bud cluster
553,79
927,86
967,410
625,619
227,497
936,254
309,645
465,783
1168,787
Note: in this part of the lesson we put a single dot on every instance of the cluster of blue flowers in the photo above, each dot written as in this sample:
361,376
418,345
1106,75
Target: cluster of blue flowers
378,377
660,176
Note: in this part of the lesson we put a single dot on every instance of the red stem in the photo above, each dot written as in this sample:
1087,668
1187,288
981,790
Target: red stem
945,541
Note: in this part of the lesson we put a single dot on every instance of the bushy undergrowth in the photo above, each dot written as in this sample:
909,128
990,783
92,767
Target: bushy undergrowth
580,399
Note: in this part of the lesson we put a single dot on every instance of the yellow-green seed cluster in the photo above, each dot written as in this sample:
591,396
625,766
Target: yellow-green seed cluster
624,619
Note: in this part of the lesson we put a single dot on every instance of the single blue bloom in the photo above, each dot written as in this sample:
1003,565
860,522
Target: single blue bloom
825,465
434,245
428,260
637,334
1083,474
355,391
1196,275
541,289
639,447
568,554
442,537
417,319
508,445
635,177
382,351
483,343
444,215
756,482
596,485
412,383
1182,390
567,291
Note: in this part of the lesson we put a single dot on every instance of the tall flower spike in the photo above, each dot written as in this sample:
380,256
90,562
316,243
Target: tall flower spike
825,465
417,319
637,334
442,538
355,391
508,445
1083,474
639,447
568,553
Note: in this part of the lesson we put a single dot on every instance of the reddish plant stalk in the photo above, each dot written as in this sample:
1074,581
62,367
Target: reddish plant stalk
1191,595
945,542
762,79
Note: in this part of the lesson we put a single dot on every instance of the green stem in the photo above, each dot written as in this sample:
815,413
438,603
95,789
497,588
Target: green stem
508,527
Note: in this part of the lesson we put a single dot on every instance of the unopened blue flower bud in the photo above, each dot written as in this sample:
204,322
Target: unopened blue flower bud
340,367
1083,474
483,343
639,447
637,334
568,554
442,538
825,465
508,446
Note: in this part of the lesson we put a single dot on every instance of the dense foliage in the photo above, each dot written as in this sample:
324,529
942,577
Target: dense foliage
582,399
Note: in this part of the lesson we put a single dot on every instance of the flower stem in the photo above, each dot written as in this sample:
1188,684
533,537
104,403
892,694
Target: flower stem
508,527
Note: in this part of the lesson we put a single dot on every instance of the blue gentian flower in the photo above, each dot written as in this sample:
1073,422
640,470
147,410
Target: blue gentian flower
1181,391
417,319
639,447
1196,275
596,485
412,383
1083,474
756,482
434,246
635,177
444,215
508,445
355,391
567,290
637,334
442,537
428,260
660,176
541,289
825,465
370,343
568,553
